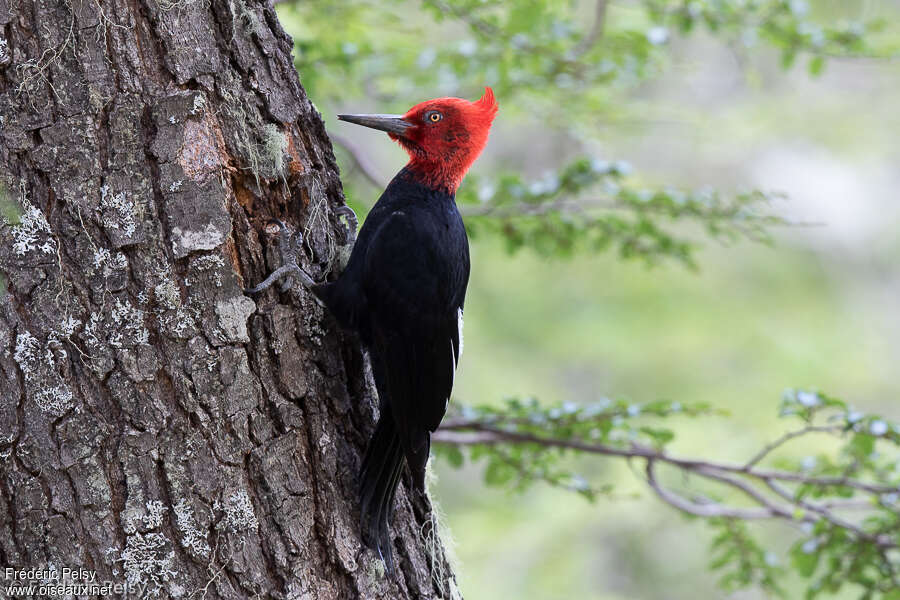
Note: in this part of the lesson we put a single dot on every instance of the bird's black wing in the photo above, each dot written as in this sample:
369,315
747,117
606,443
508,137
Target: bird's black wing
414,280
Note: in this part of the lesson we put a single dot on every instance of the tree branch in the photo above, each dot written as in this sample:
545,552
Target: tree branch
769,448
701,510
469,432
492,434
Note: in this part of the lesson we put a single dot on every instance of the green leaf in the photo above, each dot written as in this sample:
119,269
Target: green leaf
498,473
453,455
788,57
804,560
660,437
862,445
816,65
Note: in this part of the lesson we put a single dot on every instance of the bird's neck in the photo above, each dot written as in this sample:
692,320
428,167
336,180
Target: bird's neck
412,184
442,175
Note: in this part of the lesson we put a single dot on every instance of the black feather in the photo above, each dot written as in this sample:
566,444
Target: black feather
378,479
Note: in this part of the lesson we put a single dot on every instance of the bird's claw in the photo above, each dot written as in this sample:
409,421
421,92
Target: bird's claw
350,217
290,245
285,272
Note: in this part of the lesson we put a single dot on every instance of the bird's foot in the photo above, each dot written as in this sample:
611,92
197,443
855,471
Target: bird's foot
290,245
285,273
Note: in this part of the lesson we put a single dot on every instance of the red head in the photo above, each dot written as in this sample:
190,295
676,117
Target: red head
443,137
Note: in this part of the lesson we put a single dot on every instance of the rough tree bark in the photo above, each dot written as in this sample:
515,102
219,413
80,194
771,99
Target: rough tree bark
157,425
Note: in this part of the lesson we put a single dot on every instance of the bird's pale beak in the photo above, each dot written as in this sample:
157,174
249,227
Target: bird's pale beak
395,124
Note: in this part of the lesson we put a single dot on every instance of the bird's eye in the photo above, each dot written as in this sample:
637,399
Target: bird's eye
434,116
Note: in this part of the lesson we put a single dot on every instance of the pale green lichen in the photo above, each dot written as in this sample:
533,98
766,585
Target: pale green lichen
430,538
154,517
108,262
376,569
266,157
38,364
199,104
167,5
54,399
166,294
273,149
69,325
95,482
36,70
455,594
32,231
243,13
239,514
147,562
192,538
92,331
439,544
27,349
147,559
129,329
211,263
150,516
101,256
124,211
318,221
184,322
185,241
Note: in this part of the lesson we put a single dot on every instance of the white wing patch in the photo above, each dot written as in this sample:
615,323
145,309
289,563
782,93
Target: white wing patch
452,374
459,320
454,355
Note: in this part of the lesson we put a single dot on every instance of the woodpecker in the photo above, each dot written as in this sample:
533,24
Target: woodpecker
403,290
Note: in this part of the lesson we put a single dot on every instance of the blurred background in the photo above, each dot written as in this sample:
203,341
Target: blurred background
685,107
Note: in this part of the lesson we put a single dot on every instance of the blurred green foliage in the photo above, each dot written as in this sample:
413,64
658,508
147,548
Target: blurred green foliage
524,442
9,215
565,73
9,212
554,217
830,554
541,58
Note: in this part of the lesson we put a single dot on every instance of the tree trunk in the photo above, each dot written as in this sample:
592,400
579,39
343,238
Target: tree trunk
158,426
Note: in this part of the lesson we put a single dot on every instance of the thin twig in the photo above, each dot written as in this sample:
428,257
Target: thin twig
776,510
786,438
828,515
596,32
360,160
702,510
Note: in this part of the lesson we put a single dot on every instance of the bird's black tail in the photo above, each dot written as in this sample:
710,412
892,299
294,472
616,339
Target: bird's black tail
378,480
